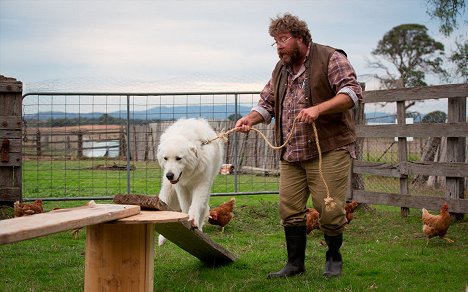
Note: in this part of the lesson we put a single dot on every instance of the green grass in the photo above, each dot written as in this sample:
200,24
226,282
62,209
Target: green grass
45,179
382,251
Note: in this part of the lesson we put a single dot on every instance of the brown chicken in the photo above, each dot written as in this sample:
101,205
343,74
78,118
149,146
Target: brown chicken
350,207
222,214
312,217
436,225
24,209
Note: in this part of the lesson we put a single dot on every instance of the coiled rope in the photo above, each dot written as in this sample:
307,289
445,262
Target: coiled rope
329,202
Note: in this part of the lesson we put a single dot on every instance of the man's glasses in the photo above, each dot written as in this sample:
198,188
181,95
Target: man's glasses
281,42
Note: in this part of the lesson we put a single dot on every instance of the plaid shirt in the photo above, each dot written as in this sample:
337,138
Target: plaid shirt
342,79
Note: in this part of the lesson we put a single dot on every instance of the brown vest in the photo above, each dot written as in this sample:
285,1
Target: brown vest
334,130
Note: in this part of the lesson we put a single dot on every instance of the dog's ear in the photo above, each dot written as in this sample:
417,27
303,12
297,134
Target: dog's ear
159,155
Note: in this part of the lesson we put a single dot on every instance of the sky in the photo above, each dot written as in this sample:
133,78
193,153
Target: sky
181,46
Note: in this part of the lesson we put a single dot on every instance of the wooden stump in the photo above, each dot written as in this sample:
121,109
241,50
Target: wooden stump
120,254
119,257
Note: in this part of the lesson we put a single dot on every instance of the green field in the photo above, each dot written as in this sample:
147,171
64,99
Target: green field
382,250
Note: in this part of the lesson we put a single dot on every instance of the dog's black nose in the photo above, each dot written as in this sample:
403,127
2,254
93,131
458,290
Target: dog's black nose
170,176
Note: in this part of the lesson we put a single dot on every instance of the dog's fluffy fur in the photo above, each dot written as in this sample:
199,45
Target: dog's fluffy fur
189,168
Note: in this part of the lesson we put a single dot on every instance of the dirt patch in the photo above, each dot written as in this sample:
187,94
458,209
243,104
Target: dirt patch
111,167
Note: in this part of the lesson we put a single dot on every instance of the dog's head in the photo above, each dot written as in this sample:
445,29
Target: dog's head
177,155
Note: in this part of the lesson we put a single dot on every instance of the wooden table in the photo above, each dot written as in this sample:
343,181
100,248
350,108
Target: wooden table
120,254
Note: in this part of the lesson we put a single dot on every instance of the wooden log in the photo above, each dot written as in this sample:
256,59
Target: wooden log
145,202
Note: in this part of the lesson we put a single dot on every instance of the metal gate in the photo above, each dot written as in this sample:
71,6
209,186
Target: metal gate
79,146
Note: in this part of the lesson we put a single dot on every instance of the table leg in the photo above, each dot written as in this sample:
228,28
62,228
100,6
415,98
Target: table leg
119,257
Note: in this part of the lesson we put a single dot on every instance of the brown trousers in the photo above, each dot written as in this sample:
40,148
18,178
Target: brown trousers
299,180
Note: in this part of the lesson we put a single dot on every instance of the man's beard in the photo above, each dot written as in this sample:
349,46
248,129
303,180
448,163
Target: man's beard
290,58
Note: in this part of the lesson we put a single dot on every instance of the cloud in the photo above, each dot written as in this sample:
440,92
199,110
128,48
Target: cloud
148,41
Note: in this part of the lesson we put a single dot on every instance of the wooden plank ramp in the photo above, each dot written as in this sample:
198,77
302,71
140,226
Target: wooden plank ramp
22,228
196,243
181,232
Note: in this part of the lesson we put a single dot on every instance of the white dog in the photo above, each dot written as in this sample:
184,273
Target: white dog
189,168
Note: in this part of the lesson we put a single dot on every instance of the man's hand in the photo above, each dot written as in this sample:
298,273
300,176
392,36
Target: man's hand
244,124
308,115
340,103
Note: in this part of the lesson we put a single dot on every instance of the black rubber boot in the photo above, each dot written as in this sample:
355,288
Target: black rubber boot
296,243
334,262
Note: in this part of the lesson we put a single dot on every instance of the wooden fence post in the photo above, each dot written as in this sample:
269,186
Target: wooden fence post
356,179
402,154
11,100
455,186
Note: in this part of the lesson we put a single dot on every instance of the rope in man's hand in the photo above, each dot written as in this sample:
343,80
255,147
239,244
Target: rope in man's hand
329,202
224,136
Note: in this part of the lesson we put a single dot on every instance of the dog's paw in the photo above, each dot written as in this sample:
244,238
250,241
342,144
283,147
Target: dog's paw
193,223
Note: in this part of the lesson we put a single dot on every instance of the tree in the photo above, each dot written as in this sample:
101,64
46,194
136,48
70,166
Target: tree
435,117
413,53
416,116
447,11
460,58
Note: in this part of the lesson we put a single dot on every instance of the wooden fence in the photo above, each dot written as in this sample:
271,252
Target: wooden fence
455,169
251,150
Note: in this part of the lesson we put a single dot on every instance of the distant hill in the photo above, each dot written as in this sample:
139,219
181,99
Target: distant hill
380,117
212,112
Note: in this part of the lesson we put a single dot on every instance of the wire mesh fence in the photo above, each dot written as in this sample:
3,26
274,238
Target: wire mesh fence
83,145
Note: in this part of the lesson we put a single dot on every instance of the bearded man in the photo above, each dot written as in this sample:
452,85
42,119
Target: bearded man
311,84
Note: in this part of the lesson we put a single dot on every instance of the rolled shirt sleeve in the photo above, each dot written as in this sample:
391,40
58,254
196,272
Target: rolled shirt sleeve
265,114
342,77
266,104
